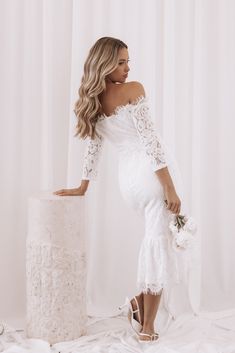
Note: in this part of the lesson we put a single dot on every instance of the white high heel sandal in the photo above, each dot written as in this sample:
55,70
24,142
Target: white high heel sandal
153,337
136,326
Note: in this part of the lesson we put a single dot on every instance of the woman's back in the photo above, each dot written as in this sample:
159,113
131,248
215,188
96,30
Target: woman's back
117,95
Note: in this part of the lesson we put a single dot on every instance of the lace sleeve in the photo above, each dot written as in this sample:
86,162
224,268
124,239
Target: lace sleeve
91,158
148,136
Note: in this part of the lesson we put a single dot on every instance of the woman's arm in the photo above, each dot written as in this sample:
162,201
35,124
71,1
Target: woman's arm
80,191
153,147
91,158
172,200
89,169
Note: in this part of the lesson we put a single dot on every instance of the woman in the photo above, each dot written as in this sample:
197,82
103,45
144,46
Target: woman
108,107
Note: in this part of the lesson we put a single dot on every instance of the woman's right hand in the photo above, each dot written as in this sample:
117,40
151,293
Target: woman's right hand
70,192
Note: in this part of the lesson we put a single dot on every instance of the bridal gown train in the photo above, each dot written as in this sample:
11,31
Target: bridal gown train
141,152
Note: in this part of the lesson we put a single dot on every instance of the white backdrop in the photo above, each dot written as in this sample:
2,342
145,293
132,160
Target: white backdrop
183,52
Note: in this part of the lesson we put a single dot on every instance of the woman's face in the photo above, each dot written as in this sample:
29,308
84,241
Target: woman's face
120,73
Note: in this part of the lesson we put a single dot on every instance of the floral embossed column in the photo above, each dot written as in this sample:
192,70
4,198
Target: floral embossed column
56,267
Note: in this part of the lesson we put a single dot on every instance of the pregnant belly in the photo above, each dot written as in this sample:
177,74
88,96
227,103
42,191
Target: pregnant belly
138,183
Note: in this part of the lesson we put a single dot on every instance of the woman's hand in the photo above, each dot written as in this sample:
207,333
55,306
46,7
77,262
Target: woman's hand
172,200
70,192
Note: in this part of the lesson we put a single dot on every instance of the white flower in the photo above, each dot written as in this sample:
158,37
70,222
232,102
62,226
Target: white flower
182,229
190,225
173,228
182,240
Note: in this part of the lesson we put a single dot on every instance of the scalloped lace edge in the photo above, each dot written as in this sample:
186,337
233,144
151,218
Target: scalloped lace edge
117,110
150,288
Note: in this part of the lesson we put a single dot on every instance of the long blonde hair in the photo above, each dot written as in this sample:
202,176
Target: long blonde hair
101,61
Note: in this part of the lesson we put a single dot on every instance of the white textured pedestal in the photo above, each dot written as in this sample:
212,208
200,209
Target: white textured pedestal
56,267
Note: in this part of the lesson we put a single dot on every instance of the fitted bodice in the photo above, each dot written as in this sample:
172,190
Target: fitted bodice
130,128
119,129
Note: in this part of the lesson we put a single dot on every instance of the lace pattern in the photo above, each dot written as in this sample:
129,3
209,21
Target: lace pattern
148,136
91,158
150,288
56,297
156,253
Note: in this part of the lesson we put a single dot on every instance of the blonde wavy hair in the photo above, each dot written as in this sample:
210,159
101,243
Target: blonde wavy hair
101,61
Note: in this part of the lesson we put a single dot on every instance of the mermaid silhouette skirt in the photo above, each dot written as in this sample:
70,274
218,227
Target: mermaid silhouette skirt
142,190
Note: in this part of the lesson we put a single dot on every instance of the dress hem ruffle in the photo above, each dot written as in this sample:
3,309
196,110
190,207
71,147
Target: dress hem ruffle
150,289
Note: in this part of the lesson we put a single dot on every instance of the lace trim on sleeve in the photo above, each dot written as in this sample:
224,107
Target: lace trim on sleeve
148,136
91,158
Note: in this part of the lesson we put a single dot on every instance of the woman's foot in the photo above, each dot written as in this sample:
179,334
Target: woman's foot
148,337
148,334
139,315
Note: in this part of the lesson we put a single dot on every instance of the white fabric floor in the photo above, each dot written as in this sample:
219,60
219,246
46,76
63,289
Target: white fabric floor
202,333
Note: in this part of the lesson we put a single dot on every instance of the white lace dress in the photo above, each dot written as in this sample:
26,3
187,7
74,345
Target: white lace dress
141,153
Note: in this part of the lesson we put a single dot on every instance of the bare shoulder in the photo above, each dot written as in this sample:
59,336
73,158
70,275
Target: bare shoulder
120,94
134,90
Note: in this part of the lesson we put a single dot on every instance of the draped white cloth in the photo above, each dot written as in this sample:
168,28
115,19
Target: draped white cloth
187,334
183,52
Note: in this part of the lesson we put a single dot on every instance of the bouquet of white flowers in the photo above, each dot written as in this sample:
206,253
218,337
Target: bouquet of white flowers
182,229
